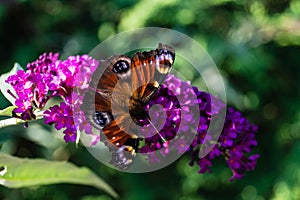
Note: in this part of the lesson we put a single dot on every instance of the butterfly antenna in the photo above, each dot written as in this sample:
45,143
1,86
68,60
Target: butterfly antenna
162,138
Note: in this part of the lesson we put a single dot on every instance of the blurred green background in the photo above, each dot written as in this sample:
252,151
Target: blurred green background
255,45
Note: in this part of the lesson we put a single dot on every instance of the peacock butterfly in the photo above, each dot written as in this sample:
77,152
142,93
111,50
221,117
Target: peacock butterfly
118,91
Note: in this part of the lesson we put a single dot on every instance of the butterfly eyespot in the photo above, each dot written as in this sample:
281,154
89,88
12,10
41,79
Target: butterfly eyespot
166,55
121,67
164,61
102,118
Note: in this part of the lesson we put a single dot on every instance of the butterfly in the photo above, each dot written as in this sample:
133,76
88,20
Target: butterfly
120,88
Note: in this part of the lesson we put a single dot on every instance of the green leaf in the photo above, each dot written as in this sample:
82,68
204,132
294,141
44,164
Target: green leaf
23,172
5,86
7,111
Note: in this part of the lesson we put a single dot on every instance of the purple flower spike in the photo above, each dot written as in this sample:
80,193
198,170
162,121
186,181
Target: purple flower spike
236,140
48,77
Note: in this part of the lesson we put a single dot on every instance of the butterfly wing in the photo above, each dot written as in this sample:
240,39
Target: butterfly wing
149,70
97,103
105,105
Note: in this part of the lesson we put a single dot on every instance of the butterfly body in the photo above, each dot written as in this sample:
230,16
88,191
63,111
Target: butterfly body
119,91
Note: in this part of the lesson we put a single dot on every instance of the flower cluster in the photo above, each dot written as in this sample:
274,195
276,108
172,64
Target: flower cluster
187,128
48,77
184,120
180,106
236,141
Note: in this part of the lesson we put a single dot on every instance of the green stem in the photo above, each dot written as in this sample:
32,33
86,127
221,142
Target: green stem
15,121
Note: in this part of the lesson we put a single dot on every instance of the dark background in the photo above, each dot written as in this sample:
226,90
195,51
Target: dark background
255,45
